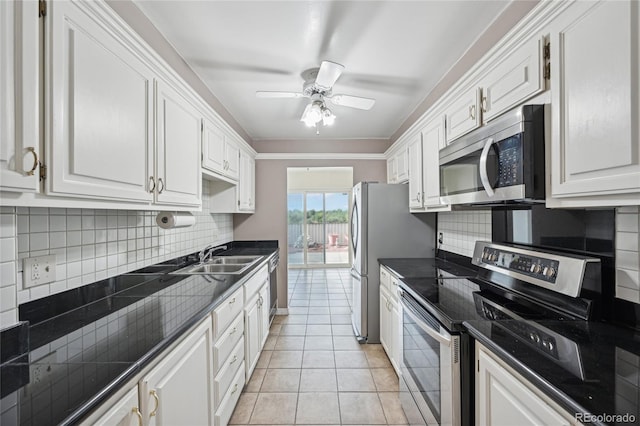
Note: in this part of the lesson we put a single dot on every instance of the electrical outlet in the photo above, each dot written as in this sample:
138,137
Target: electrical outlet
38,270
41,369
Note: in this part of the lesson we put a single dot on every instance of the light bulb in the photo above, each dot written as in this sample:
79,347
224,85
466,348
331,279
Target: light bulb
328,118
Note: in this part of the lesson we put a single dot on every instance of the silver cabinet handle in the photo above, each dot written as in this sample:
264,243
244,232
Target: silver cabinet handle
484,104
235,388
472,112
418,196
32,150
152,181
161,186
232,301
233,330
484,175
235,358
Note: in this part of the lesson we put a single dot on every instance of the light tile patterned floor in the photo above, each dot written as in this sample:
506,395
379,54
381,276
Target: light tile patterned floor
312,370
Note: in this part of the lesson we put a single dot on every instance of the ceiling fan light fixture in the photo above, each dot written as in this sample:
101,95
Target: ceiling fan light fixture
312,114
328,117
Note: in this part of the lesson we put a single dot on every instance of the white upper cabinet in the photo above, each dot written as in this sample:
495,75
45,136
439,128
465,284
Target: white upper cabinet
415,173
178,178
432,140
19,101
519,76
246,184
463,114
402,165
99,107
220,153
392,170
213,148
595,130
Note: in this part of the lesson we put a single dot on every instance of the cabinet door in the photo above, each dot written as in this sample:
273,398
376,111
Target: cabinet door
392,170
402,165
395,335
19,104
178,391
514,80
503,399
432,141
264,314
213,148
178,177
246,182
252,336
595,129
99,104
463,115
232,157
384,320
123,412
415,173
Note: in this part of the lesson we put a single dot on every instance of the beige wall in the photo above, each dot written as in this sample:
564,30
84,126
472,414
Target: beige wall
269,222
369,146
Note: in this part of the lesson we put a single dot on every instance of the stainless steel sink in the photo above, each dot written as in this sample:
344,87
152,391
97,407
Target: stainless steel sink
233,265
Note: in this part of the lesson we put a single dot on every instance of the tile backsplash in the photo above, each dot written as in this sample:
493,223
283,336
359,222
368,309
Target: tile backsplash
461,229
91,245
628,254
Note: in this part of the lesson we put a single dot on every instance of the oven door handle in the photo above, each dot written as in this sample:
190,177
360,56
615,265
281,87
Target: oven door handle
445,340
484,174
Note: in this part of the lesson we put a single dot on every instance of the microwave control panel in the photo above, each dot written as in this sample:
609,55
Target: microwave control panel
533,266
510,167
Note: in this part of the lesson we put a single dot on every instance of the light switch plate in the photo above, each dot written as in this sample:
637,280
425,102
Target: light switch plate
38,270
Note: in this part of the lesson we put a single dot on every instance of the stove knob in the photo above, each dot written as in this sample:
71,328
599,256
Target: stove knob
549,272
537,268
533,268
547,344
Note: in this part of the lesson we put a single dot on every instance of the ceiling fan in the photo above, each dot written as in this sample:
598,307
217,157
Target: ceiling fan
317,86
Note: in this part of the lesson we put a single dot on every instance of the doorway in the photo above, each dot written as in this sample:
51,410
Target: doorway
318,217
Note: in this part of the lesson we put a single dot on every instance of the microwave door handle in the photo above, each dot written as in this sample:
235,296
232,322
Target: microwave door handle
484,175
445,340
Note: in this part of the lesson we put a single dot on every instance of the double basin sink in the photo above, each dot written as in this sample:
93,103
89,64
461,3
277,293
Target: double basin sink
233,265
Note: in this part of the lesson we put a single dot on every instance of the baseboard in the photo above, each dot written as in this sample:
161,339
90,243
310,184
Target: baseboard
282,311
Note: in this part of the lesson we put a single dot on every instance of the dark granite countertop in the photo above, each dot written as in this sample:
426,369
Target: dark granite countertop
601,378
427,267
78,358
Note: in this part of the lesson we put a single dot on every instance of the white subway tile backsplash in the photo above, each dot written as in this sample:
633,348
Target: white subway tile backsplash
92,245
628,254
628,260
461,229
628,278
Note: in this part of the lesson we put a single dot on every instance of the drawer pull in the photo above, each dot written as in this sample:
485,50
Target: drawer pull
232,301
235,358
153,184
235,388
137,412
233,330
394,282
154,394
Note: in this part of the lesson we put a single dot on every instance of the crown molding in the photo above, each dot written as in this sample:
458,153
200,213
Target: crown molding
318,156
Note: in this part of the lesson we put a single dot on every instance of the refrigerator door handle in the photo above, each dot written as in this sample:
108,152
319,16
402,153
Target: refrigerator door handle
354,274
354,227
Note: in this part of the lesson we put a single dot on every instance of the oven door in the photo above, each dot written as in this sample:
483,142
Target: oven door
430,367
483,172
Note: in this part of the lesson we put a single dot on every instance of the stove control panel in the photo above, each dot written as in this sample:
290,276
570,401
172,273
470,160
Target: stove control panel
533,266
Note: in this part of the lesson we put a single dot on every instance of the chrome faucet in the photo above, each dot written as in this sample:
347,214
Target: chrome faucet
208,251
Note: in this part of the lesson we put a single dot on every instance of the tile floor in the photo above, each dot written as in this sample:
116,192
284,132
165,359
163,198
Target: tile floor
312,370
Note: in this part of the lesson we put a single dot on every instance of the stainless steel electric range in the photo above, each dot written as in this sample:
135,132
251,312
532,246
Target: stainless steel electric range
512,282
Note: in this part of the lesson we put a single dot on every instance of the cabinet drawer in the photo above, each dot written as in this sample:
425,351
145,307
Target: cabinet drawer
224,314
385,278
252,286
393,288
227,372
223,346
223,415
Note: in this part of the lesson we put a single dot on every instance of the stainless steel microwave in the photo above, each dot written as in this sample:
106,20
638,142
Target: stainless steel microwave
500,163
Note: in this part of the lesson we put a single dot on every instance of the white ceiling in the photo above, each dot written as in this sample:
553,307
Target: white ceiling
393,51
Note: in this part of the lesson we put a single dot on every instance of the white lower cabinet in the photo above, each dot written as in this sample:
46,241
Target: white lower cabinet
178,390
504,398
256,317
229,401
390,326
124,411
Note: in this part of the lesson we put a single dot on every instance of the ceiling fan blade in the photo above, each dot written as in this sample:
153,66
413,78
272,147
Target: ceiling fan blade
352,101
278,95
328,74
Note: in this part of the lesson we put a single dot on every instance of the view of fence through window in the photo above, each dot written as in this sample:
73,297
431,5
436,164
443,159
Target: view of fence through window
318,228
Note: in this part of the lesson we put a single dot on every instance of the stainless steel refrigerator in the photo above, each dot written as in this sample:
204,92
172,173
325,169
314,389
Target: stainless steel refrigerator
381,226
